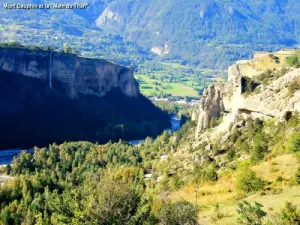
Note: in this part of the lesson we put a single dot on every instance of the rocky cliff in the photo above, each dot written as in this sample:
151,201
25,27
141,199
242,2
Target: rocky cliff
48,97
257,88
79,75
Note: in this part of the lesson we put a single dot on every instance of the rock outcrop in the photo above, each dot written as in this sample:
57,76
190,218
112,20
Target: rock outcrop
79,75
269,100
209,107
48,97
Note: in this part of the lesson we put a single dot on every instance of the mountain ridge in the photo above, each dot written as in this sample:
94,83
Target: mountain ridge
210,33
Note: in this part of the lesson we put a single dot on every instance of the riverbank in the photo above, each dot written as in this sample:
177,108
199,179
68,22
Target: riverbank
6,156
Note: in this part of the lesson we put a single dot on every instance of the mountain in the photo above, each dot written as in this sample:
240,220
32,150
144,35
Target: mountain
55,97
54,27
209,33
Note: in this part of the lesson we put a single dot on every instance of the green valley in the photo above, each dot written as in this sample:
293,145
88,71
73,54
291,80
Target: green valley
175,80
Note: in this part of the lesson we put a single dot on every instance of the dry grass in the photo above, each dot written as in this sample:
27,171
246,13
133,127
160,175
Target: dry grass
260,65
224,193
284,166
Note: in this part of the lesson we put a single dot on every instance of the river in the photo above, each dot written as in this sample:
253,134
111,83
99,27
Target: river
175,125
6,156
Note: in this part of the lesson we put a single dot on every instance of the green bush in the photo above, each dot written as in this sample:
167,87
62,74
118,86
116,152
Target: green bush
211,174
175,183
248,181
294,121
231,154
290,215
248,85
260,146
207,174
294,142
297,176
250,214
293,61
265,77
178,213
274,58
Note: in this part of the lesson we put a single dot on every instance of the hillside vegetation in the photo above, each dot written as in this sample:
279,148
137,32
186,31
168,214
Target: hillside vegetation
248,175
82,182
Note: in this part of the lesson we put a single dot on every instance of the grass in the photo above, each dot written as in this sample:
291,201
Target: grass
181,90
285,166
151,87
225,194
165,79
258,66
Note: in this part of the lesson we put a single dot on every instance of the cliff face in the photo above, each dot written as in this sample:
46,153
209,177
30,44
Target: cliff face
79,75
46,98
209,107
270,99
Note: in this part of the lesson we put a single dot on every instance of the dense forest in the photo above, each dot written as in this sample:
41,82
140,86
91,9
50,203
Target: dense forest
85,183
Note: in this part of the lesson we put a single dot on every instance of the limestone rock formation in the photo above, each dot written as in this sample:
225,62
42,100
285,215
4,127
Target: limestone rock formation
269,100
79,75
209,107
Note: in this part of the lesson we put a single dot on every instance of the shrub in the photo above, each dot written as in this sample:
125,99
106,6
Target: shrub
260,147
294,86
293,61
265,77
250,214
211,174
290,215
294,120
248,85
274,58
297,176
178,213
217,213
294,142
175,183
231,154
247,181
281,72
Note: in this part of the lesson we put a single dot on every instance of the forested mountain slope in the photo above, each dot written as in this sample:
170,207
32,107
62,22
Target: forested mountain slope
210,33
